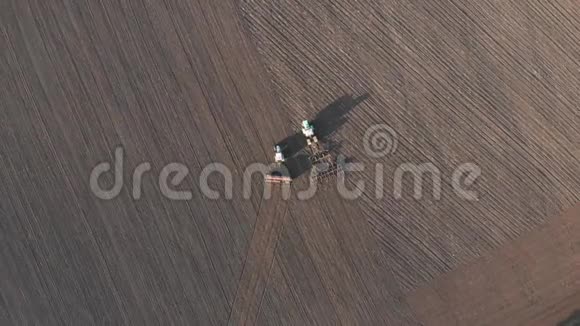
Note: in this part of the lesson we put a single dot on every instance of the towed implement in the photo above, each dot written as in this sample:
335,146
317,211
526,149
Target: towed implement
324,170
323,164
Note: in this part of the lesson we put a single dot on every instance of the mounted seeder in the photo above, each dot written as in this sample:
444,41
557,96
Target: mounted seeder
279,173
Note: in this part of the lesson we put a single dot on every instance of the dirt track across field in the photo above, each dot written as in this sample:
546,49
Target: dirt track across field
490,83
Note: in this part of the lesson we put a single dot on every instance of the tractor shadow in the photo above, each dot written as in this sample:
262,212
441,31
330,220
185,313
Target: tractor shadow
334,115
326,123
573,320
297,159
